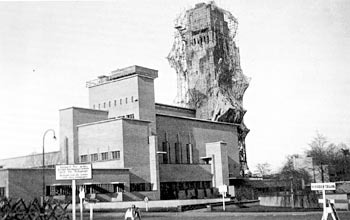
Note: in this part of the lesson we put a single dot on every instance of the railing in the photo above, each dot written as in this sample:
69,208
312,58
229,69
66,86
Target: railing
33,210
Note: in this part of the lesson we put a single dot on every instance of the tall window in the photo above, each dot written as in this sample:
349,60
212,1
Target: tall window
115,102
116,155
104,105
94,157
104,156
178,154
132,98
2,191
166,157
93,107
126,100
109,103
121,101
84,158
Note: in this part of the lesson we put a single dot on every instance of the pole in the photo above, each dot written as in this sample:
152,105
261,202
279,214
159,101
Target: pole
223,201
73,199
81,208
324,204
91,212
43,170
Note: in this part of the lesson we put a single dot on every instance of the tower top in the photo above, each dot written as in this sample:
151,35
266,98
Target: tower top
119,73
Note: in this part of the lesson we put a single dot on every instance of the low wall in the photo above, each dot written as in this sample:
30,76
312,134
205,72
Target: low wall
341,201
101,206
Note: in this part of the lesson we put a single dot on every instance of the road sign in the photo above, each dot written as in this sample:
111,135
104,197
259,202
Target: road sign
322,186
73,172
222,189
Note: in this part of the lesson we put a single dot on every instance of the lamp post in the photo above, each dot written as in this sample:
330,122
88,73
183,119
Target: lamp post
43,170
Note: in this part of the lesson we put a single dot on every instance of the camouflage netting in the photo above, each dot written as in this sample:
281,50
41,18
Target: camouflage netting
207,63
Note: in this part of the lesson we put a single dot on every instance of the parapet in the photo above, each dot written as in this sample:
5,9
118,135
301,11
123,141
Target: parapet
119,73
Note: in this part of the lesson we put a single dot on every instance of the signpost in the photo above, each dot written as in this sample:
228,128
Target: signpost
326,210
73,172
223,191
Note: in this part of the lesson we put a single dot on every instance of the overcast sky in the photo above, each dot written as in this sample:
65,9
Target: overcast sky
296,52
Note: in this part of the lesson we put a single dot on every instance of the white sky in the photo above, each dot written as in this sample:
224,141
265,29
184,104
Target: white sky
296,52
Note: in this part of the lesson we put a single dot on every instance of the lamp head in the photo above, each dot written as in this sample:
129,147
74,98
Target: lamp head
54,137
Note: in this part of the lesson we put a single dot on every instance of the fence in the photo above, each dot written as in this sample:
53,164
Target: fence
33,210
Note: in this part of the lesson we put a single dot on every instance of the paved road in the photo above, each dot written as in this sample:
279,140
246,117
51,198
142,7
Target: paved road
220,216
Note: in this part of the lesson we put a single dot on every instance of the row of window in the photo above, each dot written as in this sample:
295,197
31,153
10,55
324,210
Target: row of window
139,187
89,189
178,158
114,103
113,155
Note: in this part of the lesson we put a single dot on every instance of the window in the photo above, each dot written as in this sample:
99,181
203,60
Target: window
126,100
93,107
130,116
2,191
121,101
116,155
104,156
140,187
104,105
165,149
84,158
178,154
99,106
94,157
115,102
132,98
109,103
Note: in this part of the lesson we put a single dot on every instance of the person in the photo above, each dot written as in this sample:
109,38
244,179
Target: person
133,213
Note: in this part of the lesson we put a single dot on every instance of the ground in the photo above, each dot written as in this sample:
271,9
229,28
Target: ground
222,216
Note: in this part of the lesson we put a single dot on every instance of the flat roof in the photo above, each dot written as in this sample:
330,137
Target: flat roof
118,74
30,155
198,119
112,119
174,106
89,109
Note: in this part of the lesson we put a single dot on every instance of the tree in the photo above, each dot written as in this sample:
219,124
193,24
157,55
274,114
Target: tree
325,154
263,169
297,177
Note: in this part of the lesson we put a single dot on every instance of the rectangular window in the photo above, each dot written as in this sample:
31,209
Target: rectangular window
104,105
178,154
2,191
115,102
165,149
132,98
130,116
116,155
139,187
189,153
126,100
94,157
109,103
84,158
121,101
104,156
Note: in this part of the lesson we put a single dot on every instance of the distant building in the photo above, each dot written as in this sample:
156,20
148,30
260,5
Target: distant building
137,147
317,173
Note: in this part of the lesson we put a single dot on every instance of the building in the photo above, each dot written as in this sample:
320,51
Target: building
207,62
144,148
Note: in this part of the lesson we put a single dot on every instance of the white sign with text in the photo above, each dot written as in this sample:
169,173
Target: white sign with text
73,172
322,186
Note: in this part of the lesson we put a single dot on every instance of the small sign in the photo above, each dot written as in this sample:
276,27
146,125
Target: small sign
223,189
73,172
322,186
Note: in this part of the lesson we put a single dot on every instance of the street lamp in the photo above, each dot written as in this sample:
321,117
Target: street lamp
43,170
